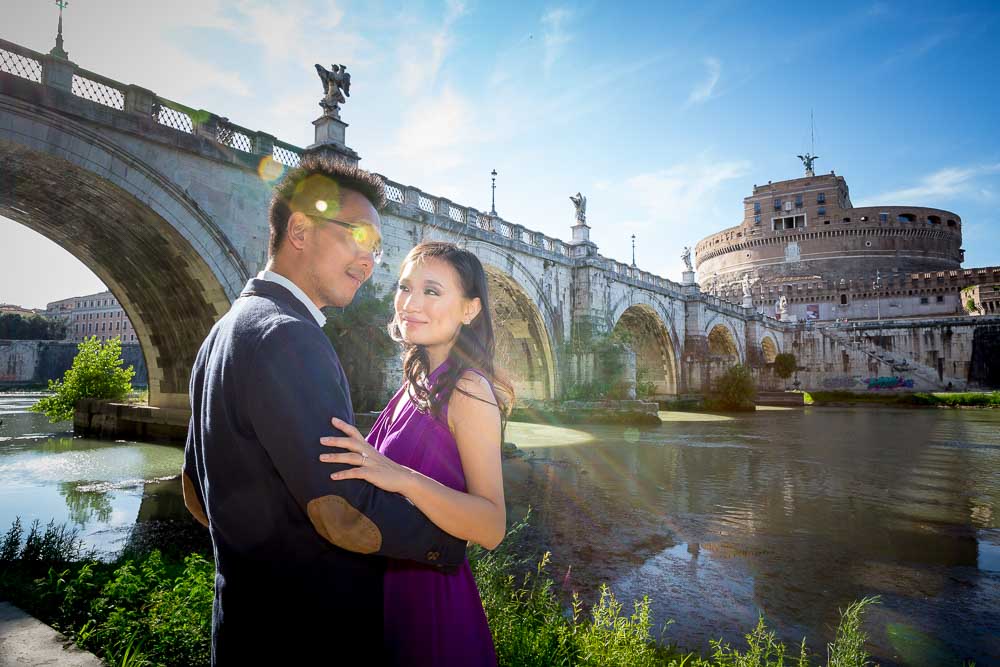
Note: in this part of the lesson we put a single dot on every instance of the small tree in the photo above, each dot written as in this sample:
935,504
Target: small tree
96,373
785,364
734,390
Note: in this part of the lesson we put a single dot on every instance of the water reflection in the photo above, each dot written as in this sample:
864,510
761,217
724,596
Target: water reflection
794,514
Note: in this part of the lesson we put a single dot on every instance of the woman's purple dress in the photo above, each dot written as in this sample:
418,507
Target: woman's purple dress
431,618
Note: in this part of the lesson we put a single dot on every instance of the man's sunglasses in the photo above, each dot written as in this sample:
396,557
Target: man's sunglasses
365,235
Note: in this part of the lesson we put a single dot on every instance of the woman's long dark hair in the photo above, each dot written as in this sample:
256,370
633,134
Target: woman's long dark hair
474,348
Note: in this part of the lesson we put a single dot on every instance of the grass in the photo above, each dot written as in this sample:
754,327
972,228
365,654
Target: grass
147,609
926,399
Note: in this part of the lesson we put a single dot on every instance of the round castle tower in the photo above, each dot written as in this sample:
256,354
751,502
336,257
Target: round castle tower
805,231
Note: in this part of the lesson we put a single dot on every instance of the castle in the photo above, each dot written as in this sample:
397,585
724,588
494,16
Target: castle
803,240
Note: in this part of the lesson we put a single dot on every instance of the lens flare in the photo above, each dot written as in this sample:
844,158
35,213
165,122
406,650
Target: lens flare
270,169
321,205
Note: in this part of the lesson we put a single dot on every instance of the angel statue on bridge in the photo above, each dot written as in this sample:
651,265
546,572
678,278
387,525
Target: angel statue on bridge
336,84
580,202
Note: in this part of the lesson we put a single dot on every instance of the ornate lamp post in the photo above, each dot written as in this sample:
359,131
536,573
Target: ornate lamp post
633,250
493,205
59,51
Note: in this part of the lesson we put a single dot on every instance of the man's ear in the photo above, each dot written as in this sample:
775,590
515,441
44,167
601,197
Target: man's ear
298,229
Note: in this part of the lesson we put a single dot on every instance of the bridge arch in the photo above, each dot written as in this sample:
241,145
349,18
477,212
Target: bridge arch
524,322
769,349
722,342
654,347
164,259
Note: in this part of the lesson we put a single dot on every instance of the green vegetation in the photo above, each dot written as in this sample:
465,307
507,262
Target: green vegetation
35,327
785,364
926,399
156,609
733,390
360,335
96,373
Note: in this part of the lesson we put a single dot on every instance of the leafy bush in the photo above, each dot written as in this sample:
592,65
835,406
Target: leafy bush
734,390
785,364
96,373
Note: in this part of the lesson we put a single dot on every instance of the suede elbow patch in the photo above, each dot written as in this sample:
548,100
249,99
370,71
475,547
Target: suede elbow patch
191,500
341,524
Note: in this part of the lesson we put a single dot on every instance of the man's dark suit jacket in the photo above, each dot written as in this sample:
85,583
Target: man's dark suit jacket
298,567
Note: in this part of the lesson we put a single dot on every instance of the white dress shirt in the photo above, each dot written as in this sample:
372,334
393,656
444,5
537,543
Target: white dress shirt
279,279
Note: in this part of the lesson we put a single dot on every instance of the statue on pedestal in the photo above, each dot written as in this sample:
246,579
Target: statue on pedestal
336,84
746,286
580,202
686,256
781,307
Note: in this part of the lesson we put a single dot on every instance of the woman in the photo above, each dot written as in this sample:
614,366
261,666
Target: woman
438,443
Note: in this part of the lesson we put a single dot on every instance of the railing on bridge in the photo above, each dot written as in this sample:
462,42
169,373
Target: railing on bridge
27,64
31,65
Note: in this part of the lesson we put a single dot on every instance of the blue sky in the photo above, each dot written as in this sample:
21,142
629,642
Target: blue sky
664,115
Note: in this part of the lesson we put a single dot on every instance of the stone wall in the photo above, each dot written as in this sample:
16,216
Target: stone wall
922,355
29,363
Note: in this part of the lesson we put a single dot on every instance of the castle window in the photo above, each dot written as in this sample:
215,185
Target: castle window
951,223
821,210
826,222
756,207
883,217
934,219
798,201
843,299
940,298
821,198
906,217
847,219
923,300
756,220
777,204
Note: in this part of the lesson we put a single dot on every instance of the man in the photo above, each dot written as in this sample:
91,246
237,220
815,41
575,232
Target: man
298,574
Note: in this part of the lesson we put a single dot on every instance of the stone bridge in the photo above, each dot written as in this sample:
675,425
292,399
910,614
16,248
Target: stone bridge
168,206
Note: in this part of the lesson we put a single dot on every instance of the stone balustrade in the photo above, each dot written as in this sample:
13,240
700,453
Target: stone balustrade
126,98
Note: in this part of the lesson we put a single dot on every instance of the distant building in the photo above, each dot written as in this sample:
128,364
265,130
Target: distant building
982,299
11,309
803,239
93,315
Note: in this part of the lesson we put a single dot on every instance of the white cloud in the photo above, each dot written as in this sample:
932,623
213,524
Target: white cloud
939,186
703,91
670,208
554,35
422,55
436,132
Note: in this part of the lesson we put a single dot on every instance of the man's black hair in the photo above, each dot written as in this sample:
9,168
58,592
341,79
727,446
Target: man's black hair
343,174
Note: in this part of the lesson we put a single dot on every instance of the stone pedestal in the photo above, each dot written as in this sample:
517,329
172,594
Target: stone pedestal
748,301
330,139
687,278
58,72
330,130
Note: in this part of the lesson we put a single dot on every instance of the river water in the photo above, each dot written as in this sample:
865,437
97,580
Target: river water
789,513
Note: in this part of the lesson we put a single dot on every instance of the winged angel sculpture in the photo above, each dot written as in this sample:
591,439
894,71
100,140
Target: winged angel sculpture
336,85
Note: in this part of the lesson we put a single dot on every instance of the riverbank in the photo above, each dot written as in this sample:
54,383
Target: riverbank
915,399
156,608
